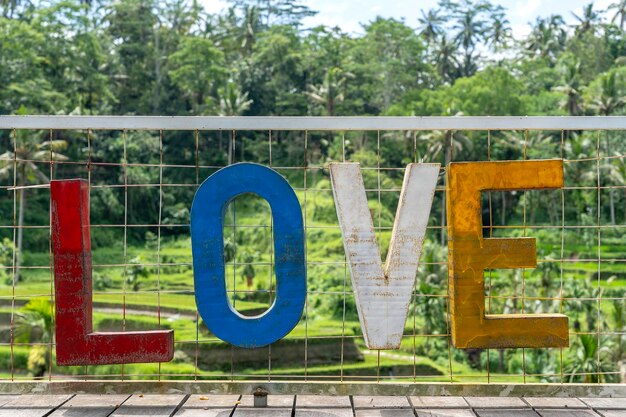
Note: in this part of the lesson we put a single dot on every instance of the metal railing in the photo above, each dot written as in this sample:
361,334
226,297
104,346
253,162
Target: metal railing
143,172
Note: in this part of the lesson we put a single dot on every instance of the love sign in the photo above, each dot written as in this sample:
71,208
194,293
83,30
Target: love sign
382,292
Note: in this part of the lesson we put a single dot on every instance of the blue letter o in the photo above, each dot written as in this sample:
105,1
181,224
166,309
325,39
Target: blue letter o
207,241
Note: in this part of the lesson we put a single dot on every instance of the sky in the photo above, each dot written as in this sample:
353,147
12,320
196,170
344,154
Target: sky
349,14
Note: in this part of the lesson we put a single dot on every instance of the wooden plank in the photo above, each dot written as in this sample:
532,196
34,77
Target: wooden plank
554,402
326,401
564,412
273,401
385,412
324,412
33,405
208,406
445,412
496,402
277,405
382,295
7,398
149,405
90,406
381,401
323,405
262,412
503,412
612,413
212,401
607,403
428,402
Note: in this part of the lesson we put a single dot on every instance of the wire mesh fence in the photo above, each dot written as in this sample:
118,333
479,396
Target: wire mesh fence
142,182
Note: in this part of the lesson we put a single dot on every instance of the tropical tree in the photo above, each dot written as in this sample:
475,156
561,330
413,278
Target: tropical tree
442,144
470,30
620,12
591,363
233,102
618,315
606,96
135,272
248,271
444,58
22,161
498,32
571,86
331,91
33,324
197,68
617,174
431,25
387,61
588,20
547,38
278,12
428,305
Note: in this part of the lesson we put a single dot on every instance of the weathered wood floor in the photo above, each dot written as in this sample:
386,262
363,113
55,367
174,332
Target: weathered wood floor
304,406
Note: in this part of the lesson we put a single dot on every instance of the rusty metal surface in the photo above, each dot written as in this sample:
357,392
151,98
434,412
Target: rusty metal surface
383,295
76,343
469,254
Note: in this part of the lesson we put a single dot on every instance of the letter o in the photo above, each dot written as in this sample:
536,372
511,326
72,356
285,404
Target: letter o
207,241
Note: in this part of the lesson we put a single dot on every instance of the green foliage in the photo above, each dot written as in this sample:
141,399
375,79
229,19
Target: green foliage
135,271
196,68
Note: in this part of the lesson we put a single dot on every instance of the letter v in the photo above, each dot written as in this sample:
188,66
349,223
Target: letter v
383,296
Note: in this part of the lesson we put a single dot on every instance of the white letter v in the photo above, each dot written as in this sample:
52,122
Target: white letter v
383,297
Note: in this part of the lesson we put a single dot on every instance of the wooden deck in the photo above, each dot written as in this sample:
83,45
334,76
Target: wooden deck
304,406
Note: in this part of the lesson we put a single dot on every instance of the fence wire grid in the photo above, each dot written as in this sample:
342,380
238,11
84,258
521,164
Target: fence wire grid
142,184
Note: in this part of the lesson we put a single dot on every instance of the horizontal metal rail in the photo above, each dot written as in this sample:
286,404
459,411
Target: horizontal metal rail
315,388
314,123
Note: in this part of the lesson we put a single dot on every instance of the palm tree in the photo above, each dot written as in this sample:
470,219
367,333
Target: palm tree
499,31
431,25
444,56
248,271
585,361
588,20
571,87
617,174
23,158
446,143
577,147
233,102
34,323
331,91
547,38
136,271
430,307
9,7
607,100
469,30
619,325
620,12
251,26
